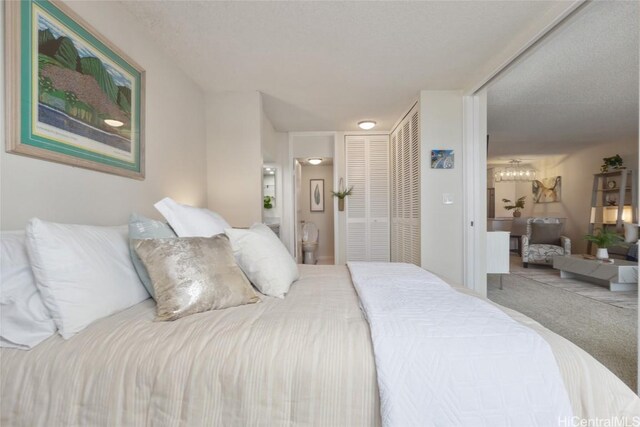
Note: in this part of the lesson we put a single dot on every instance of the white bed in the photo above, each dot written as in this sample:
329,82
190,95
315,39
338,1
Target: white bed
306,359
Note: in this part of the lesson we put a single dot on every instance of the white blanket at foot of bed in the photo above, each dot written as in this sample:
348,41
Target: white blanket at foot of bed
444,358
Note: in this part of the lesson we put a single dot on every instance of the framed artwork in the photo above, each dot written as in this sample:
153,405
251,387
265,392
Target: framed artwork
316,192
72,97
442,159
546,190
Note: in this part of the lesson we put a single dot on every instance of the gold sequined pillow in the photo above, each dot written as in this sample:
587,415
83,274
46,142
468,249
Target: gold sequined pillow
193,274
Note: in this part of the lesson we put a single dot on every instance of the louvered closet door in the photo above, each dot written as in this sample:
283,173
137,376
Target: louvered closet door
356,202
405,190
378,198
368,231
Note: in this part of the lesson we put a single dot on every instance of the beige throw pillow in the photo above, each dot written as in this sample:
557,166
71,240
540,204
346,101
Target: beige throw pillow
193,274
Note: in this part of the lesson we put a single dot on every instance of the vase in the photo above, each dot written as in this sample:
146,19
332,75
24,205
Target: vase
341,205
516,214
602,253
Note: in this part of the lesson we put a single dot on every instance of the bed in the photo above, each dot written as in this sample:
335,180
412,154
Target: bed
306,359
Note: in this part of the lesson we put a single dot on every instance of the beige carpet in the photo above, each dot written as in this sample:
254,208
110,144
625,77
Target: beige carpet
607,332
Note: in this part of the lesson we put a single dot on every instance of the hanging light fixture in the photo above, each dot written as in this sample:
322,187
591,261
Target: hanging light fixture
514,172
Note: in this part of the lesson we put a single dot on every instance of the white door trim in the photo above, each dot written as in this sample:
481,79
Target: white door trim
475,183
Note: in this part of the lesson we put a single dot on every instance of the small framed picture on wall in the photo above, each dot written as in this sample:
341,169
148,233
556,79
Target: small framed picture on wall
316,187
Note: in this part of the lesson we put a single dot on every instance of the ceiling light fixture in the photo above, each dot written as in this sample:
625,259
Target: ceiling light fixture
315,161
367,124
113,123
514,172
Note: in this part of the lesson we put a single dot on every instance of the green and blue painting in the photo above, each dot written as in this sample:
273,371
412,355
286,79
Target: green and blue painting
80,92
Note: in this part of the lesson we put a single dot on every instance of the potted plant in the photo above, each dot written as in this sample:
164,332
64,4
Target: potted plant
519,204
614,162
267,202
341,194
603,239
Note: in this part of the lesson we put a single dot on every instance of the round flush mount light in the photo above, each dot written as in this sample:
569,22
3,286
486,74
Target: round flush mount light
113,123
315,161
366,124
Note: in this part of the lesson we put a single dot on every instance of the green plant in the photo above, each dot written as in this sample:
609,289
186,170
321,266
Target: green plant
267,202
614,161
603,238
342,194
519,204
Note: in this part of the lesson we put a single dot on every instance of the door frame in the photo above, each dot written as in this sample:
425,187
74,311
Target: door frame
474,143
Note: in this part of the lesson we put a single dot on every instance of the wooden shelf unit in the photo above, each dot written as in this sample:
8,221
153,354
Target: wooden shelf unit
624,193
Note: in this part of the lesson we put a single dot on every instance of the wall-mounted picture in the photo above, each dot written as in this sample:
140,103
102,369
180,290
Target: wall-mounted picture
72,97
316,187
546,190
442,159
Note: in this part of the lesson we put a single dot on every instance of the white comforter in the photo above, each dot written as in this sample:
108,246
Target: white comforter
444,358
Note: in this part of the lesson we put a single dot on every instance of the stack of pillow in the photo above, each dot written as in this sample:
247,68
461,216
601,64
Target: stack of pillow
64,277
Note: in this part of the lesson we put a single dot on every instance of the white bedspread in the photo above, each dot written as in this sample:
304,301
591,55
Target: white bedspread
447,359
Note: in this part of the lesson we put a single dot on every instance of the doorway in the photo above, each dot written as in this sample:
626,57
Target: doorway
314,204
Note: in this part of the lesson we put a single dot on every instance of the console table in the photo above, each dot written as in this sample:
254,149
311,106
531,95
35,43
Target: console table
620,276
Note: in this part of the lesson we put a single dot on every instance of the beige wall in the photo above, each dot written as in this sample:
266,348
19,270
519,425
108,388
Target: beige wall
441,225
234,156
175,145
323,220
576,170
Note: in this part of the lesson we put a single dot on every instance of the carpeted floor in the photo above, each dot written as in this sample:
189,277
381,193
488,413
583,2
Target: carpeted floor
607,332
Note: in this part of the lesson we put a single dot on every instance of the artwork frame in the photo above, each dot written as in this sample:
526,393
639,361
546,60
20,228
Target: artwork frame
442,159
72,97
316,195
547,190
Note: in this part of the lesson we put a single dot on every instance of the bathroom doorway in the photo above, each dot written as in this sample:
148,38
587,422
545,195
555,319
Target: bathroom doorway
314,206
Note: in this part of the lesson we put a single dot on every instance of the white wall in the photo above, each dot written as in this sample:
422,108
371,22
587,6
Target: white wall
275,150
305,146
175,144
323,220
441,225
576,170
234,156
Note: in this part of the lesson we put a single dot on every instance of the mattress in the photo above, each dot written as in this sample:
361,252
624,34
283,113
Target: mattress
303,360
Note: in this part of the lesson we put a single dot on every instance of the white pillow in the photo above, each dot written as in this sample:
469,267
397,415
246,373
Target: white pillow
264,259
83,272
188,221
24,320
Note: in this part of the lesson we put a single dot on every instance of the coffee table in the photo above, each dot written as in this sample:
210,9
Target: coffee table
620,276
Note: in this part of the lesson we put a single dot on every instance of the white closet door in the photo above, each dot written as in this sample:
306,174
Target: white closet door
415,256
395,226
405,190
356,202
368,225
378,198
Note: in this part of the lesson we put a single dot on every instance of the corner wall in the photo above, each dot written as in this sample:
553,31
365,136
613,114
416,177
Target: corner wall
234,156
175,144
442,224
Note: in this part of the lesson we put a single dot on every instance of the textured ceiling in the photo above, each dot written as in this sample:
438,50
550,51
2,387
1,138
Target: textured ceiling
327,65
578,87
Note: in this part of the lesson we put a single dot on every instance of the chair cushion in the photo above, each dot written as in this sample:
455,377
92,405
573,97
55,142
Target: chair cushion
545,234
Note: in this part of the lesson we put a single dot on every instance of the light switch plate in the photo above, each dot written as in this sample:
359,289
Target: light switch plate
447,198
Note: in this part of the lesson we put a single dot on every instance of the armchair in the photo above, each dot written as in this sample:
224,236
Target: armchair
542,242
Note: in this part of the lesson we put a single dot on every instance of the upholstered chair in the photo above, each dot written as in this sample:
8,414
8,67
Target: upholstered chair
543,240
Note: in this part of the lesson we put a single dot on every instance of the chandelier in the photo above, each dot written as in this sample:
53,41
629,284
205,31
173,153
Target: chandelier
514,172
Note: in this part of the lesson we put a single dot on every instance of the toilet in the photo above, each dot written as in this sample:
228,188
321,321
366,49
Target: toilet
309,243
